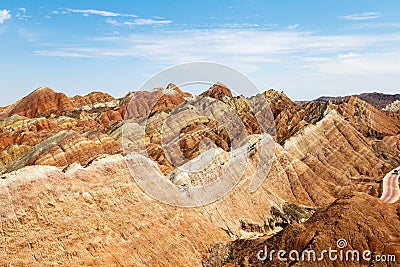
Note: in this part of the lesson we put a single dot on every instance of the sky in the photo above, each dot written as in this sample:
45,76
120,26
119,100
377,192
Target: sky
305,48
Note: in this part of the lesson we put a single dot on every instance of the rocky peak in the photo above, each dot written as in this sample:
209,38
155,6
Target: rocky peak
274,97
218,91
39,101
369,120
174,88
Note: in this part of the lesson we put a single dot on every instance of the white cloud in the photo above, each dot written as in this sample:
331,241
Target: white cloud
112,22
61,54
356,64
87,12
370,26
240,25
293,27
316,63
150,22
258,45
137,22
348,55
260,52
22,16
4,15
361,16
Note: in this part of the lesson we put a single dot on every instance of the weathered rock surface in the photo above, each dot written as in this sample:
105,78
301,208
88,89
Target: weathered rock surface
378,100
393,107
67,147
92,99
336,144
144,104
97,215
365,222
40,101
218,91
289,116
367,119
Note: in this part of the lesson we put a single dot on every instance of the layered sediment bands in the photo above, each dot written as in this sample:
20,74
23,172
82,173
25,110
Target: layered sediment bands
157,154
292,180
19,134
393,107
140,105
239,104
388,149
109,118
393,141
335,143
171,97
191,126
10,154
40,101
18,130
218,91
91,99
289,116
378,100
67,147
289,179
365,222
99,216
193,135
367,119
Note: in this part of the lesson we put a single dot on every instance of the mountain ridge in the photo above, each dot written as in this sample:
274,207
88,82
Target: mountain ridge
63,162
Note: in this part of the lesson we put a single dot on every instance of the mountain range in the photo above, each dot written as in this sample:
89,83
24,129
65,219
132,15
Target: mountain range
68,197
379,100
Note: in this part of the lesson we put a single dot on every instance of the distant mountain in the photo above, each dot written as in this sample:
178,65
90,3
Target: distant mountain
378,100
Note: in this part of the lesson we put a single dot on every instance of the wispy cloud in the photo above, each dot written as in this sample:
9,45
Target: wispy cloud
104,13
21,15
341,63
245,46
367,63
150,22
113,22
369,26
293,27
361,16
61,53
137,22
4,15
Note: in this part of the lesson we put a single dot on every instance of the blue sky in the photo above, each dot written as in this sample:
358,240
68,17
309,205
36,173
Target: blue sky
304,48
